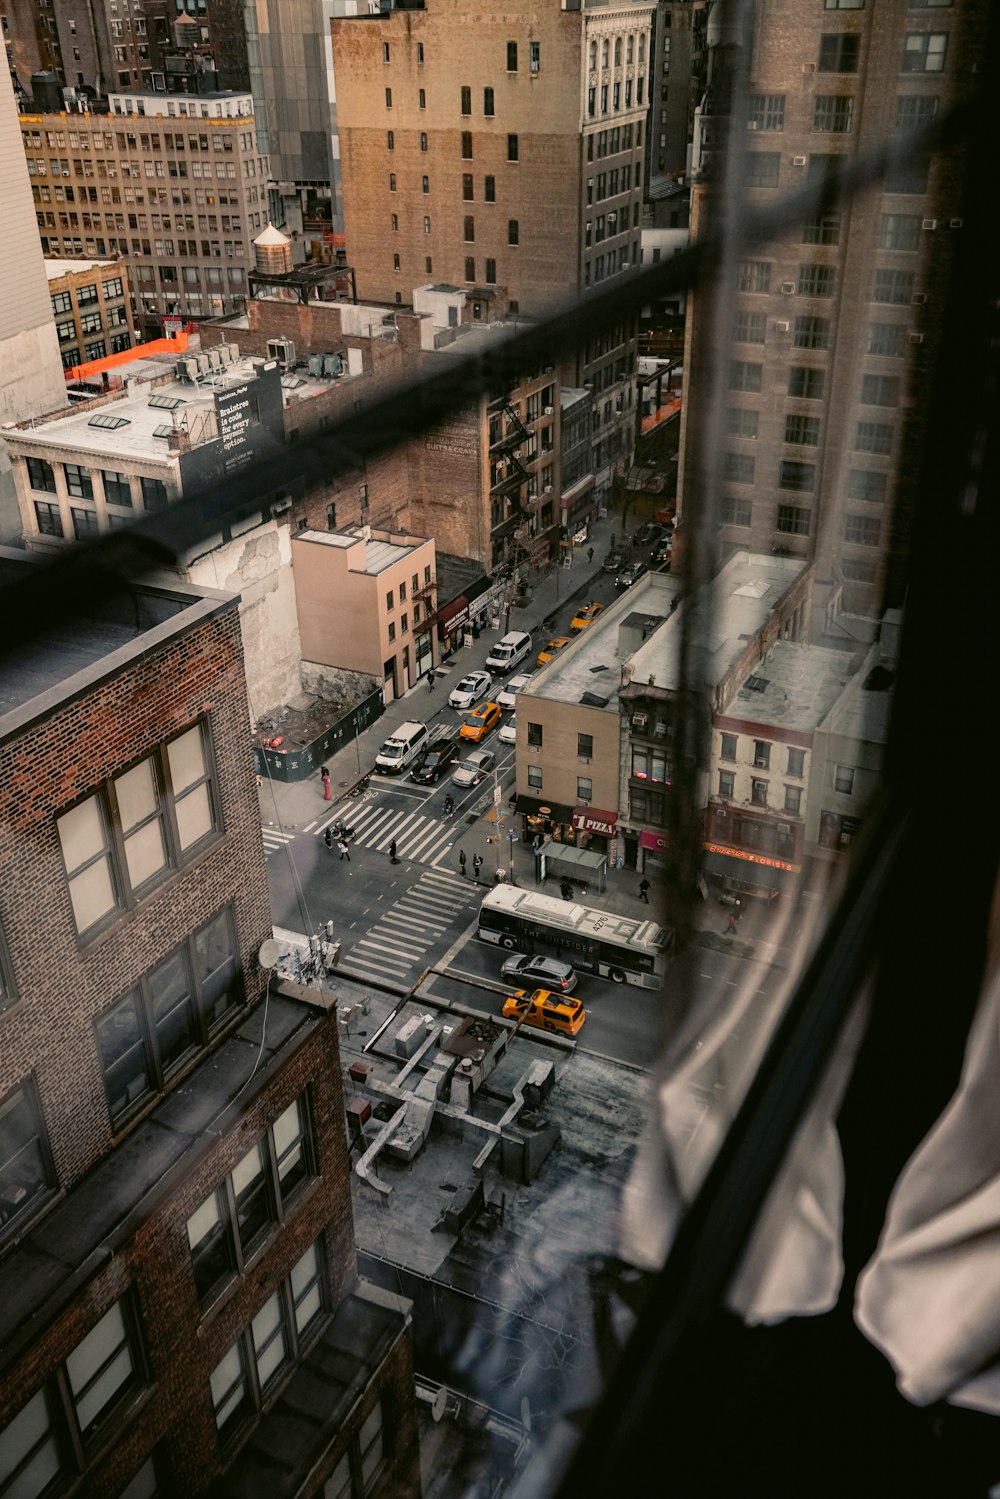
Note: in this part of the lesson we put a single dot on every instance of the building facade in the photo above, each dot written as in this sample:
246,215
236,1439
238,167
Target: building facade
174,186
92,309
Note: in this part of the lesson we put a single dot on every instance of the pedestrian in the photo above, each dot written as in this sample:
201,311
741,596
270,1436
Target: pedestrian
644,891
477,864
590,554
345,852
566,889
325,778
430,681
732,922
328,837
461,861
392,852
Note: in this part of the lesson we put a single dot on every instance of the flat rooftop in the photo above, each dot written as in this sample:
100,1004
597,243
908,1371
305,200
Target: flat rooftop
378,555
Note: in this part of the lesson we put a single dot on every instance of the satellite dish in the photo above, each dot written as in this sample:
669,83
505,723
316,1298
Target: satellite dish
269,953
440,1403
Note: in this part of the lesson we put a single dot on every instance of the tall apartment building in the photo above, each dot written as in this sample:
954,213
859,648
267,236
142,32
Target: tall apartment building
178,1283
834,323
676,84
31,377
176,186
513,163
91,307
101,45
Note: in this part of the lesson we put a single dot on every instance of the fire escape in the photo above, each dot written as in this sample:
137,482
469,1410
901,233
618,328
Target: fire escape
509,474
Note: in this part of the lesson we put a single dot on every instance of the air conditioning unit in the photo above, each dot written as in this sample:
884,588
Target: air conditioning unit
799,161
282,349
584,759
661,729
548,410
783,327
752,125
546,489
919,298
954,223
808,67
916,338
788,288
281,507
929,224
639,721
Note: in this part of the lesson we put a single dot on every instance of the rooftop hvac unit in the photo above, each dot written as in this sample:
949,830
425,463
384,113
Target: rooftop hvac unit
186,369
282,349
315,365
333,364
215,358
204,364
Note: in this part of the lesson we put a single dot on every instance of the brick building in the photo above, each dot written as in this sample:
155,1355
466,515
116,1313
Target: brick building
523,175
177,1265
834,324
91,307
175,186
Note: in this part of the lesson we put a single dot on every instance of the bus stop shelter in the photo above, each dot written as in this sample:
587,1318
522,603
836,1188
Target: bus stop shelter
559,861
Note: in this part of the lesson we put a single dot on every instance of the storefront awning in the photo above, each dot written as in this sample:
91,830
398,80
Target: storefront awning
450,616
751,869
534,806
594,820
650,839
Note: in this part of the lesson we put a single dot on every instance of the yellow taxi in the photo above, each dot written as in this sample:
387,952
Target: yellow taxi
477,724
552,648
585,616
546,1010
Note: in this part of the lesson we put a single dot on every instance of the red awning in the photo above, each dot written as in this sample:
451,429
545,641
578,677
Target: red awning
593,820
450,616
649,839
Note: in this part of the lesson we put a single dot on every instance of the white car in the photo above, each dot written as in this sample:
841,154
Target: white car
515,685
470,771
507,732
470,689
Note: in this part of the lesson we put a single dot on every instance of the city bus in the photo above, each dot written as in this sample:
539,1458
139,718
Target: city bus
625,949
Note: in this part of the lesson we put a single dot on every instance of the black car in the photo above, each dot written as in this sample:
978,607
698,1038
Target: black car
612,562
434,761
629,574
648,534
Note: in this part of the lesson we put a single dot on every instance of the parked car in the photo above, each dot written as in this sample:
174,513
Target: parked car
613,561
433,761
629,574
547,1011
470,689
649,534
553,647
477,724
585,616
507,732
663,551
470,771
533,968
507,698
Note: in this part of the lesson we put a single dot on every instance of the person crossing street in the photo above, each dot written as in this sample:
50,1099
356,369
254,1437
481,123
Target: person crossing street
328,837
477,864
392,852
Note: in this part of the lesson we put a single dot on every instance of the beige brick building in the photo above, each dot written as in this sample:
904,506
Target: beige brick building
521,170
90,304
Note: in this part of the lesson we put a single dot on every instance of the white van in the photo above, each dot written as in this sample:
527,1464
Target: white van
400,748
507,652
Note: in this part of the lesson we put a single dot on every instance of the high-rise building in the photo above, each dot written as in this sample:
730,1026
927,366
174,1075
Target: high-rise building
514,163
831,327
90,304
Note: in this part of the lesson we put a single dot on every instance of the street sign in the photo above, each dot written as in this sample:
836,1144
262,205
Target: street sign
497,794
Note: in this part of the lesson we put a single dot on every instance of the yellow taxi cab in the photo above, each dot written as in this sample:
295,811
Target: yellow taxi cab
585,616
546,1010
552,648
478,723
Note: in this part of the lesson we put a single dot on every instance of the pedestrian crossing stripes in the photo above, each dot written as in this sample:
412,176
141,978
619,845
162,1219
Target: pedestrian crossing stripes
395,946
419,838
275,838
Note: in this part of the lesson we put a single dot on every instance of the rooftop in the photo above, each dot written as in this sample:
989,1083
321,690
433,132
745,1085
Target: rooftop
378,554
795,687
56,268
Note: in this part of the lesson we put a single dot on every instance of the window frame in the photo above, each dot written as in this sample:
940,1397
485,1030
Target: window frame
25,1095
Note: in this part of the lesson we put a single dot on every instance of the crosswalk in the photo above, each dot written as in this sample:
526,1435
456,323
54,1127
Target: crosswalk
419,838
395,945
275,839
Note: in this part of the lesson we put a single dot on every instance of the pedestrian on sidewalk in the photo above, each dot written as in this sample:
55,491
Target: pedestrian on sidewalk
345,852
328,837
732,922
324,776
644,891
477,864
392,852
590,554
461,861
430,681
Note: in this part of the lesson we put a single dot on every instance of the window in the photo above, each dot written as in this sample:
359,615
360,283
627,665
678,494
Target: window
388,98
534,56
273,1340
803,430
62,302
745,376
84,524
880,390
470,268
421,98
490,189
511,57
117,489
423,140
924,51
833,112
385,51
488,101
793,800
872,437
865,530
738,468
584,788
914,111
144,1037
394,222
26,1172
811,333
466,101
867,484
844,4
753,275
749,327
48,519
358,1470
806,383
792,520
839,52
78,482
727,784
116,843
513,148
491,271
154,493
425,184
466,145
823,229
585,746
649,765
420,52
843,779
235,1219
893,287
534,777
800,476
427,224
758,791
741,422
467,187
513,232
816,280
761,168
736,512
535,735
887,339
898,231
390,141
767,112
727,747
41,475
468,229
